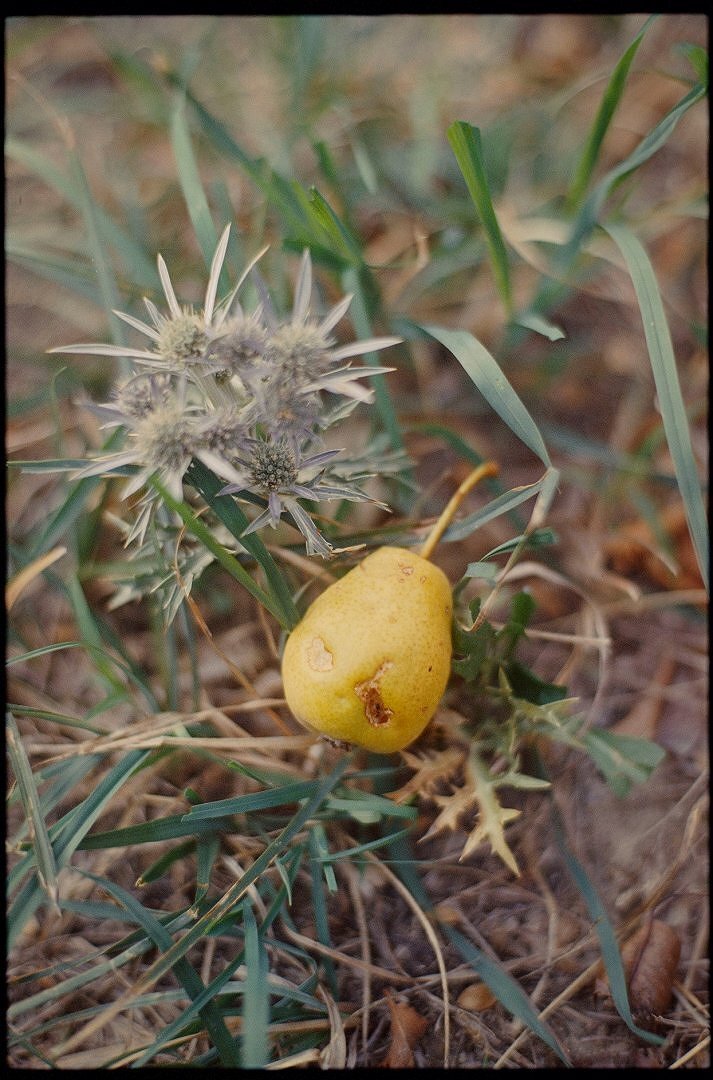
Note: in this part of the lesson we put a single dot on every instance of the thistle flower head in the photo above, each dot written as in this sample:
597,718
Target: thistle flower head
247,394
182,338
272,466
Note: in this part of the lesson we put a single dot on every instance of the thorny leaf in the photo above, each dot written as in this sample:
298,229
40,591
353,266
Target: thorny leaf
650,960
478,789
429,769
407,1027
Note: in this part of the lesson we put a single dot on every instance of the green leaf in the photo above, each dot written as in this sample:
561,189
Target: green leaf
184,972
508,992
532,321
466,144
622,759
259,800
192,186
671,404
604,930
487,375
46,865
610,101
649,145
471,649
525,684
256,999
344,244
697,58
280,600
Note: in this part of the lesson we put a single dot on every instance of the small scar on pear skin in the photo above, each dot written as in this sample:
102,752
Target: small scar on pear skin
376,711
319,657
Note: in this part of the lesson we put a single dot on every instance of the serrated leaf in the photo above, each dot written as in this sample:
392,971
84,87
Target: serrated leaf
622,759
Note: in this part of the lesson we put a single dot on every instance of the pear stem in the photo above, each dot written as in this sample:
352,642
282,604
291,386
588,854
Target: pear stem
488,468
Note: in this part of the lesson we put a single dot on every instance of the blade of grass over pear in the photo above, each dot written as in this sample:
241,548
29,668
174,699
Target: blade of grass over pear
235,520
668,388
487,375
359,312
466,143
610,100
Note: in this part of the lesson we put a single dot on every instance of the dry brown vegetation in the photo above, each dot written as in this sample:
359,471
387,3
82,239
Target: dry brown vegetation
620,605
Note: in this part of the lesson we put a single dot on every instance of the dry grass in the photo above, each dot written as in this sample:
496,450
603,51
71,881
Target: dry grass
620,604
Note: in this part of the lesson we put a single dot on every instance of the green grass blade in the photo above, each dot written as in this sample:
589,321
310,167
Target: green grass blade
149,832
184,972
259,800
91,636
55,718
44,855
508,992
192,185
133,257
196,527
605,932
671,405
341,239
466,144
359,311
487,375
532,321
207,851
649,145
503,504
254,1052
67,834
208,485
52,267
610,101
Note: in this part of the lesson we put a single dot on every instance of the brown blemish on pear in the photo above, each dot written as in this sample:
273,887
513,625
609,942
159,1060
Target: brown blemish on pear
376,710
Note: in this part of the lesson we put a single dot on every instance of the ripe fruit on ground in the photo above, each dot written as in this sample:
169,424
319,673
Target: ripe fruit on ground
370,660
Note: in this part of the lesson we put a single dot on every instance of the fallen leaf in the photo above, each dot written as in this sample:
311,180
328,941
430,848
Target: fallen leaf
477,997
650,960
407,1027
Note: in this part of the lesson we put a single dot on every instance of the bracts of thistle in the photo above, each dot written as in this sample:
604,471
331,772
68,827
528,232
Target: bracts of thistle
249,395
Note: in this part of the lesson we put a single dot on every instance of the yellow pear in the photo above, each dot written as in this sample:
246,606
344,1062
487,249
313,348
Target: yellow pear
370,659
